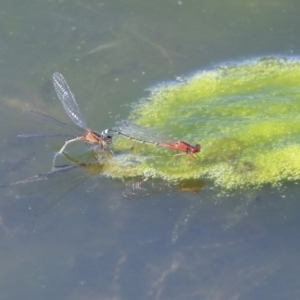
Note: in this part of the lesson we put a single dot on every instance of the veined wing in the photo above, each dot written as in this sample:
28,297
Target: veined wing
46,118
140,133
68,101
48,189
44,135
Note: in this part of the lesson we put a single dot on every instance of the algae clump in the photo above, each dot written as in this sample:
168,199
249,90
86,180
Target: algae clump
245,116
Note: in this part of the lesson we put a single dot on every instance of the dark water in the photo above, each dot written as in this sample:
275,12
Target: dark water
96,244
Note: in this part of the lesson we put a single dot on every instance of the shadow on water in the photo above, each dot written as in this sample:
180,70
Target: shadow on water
49,188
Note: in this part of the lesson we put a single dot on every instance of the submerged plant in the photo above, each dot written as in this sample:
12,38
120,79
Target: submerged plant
245,116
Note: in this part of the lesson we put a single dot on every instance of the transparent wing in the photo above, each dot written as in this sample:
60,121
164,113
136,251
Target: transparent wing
139,133
43,176
68,101
46,118
48,189
44,135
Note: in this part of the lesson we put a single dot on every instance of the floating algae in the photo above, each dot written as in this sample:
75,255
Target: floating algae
245,116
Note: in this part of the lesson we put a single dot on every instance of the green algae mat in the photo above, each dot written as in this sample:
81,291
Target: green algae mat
245,117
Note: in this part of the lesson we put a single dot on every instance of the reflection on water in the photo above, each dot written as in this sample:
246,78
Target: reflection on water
49,188
188,246
170,245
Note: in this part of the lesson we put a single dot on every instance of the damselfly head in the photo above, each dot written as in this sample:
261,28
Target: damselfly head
107,136
109,131
108,139
196,148
104,133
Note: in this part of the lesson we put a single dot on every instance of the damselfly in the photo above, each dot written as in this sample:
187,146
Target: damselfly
145,135
72,109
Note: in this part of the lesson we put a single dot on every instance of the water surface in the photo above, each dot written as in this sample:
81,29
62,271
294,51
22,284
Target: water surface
97,244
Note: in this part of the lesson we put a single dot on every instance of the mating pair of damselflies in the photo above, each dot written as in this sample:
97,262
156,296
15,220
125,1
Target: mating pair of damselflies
103,140
78,172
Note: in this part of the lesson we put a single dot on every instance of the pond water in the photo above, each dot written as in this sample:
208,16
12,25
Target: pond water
127,239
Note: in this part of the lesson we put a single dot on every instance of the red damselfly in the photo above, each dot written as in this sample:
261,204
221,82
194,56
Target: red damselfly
72,109
144,135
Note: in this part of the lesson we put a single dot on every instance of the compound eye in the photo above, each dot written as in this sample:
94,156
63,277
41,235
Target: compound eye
108,139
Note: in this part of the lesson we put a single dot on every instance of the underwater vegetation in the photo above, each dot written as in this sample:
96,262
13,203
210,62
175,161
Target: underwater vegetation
245,117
